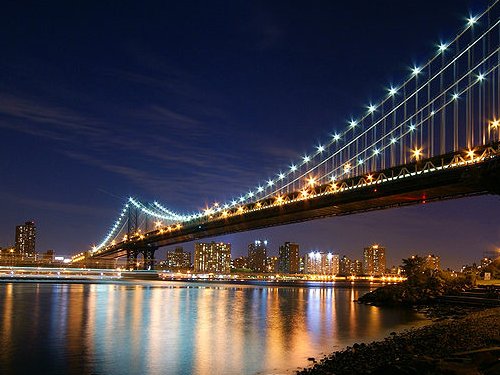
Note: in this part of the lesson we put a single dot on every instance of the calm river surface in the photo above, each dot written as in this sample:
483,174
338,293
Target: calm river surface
181,328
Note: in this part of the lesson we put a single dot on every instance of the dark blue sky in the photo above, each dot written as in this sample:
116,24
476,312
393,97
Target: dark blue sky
192,102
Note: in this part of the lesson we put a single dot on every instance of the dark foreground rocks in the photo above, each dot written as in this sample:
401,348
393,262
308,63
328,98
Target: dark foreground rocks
466,345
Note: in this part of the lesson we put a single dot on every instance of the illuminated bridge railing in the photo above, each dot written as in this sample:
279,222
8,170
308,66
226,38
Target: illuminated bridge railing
448,105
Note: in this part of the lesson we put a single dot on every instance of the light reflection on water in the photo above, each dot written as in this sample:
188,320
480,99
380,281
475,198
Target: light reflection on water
180,328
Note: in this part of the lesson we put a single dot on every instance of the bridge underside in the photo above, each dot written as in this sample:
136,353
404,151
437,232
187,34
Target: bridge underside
415,186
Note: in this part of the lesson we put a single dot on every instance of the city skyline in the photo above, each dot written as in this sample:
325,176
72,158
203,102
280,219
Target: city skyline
149,116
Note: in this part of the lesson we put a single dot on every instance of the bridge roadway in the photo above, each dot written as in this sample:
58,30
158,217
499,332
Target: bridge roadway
449,176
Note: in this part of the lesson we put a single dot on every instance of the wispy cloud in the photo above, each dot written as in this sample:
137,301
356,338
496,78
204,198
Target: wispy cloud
57,118
61,207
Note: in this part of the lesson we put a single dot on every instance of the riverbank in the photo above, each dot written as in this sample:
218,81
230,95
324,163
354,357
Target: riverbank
466,345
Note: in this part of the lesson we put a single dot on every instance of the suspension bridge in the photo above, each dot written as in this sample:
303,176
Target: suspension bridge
434,136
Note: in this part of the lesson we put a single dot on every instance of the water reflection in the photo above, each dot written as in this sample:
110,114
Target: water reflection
180,328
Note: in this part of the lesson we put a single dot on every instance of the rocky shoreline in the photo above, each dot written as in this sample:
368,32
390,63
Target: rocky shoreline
464,341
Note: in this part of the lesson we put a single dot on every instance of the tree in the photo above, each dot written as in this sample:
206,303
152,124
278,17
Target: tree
416,269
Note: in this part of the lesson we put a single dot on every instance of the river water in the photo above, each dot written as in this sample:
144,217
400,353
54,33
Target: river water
165,327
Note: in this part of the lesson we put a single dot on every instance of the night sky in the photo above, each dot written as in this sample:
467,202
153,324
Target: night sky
189,103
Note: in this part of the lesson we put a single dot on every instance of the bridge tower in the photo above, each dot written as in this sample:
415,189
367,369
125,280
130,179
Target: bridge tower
133,220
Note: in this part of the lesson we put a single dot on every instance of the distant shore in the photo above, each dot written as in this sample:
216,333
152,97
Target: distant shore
464,345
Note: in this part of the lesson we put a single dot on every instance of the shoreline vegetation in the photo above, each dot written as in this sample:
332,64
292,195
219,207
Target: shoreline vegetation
461,339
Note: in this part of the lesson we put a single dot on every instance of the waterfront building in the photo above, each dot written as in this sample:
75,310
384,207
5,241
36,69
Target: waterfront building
240,263
178,259
272,264
319,263
48,257
257,254
356,267
213,257
374,260
345,266
25,239
288,258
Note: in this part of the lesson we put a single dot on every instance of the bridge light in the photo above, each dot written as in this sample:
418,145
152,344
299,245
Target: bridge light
416,70
369,178
470,154
179,226
372,108
270,183
494,124
393,140
311,181
334,186
224,213
353,123
442,47
480,77
376,151
241,209
306,159
250,194
417,153
392,91
336,137
281,176
260,189
433,113
293,168
242,198
320,148
412,127
333,178
347,167
455,96
304,193
158,224
258,205
279,199
471,21
360,161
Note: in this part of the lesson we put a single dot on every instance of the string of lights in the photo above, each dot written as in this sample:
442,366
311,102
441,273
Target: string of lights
424,110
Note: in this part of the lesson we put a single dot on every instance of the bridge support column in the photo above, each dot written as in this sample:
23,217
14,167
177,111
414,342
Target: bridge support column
149,258
132,259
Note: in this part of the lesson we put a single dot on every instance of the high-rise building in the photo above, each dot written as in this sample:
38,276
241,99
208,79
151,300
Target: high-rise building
272,264
240,263
25,239
319,263
178,259
213,257
257,254
288,258
350,267
374,260
345,266
356,267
